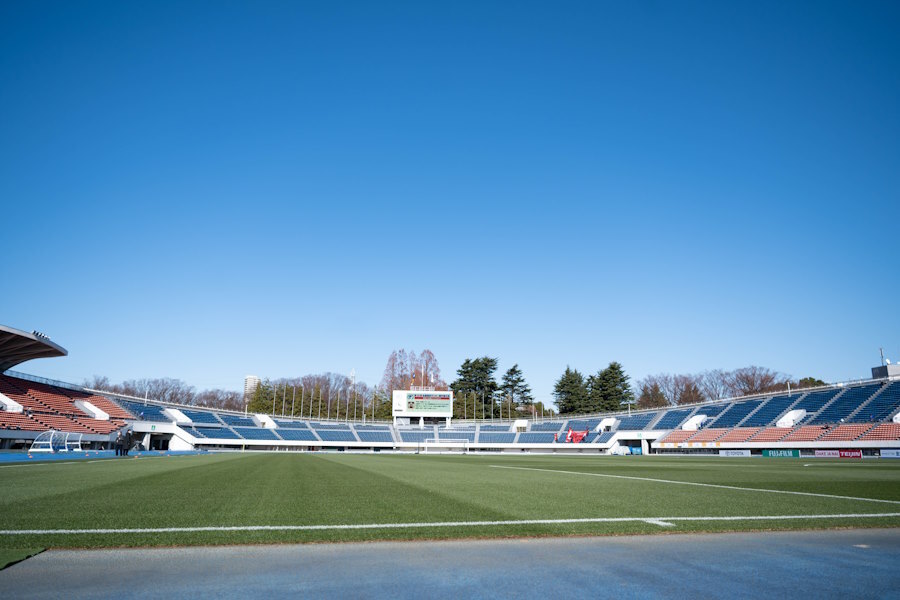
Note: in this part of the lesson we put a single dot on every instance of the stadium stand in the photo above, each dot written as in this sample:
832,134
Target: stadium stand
672,419
456,434
343,426
416,436
49,397
846,403
604,437
581,425
20,421
635,422
223,433
297,435
289,424
201,417
708,435
375,435
502,428
845,433
536,438
735,413
546,426
882,432
677,436
804,433
490,437
739,434
770,411
236,421
372,427
336,435
882,406
814,401
711,410
771,434
255,433
144,412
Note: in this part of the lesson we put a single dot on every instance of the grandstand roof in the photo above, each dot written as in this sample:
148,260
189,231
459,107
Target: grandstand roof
18,346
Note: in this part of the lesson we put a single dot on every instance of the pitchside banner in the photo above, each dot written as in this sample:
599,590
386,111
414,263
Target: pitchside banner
890,453
781,453
734,453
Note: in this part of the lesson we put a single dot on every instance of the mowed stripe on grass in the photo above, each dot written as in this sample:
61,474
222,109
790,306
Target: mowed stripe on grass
238,498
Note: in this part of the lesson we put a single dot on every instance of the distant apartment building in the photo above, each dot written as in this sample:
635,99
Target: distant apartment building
251,382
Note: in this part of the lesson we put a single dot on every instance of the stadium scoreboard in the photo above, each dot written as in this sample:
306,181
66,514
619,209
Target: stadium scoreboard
414,403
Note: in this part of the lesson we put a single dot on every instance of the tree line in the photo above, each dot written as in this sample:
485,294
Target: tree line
169,390
667,389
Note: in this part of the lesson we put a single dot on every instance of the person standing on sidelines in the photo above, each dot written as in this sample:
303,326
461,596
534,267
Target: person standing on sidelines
119,443
128,441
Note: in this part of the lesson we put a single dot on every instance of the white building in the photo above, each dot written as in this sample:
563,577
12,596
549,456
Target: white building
251,382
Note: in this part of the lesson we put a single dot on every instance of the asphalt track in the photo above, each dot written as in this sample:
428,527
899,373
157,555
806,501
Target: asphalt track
817,564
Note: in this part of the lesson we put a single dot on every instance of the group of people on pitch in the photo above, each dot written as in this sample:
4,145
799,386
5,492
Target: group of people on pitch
123,443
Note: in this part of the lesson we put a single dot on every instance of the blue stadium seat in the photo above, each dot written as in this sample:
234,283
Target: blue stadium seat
297,435
814,401
455,434
336,435
769,412
530,437
881,407
672,419
342,426
735,413
604,437
548,426
144,412
490,437
214,432
375,435
848,402
635,422
416,436
237,421
290,424
201,417
255,433
500,428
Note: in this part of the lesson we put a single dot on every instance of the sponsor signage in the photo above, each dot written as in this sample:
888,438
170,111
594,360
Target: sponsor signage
734,453
854,453
890,453
781,453
827,454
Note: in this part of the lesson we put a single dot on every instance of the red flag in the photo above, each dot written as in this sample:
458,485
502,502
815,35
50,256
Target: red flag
569,435
577,436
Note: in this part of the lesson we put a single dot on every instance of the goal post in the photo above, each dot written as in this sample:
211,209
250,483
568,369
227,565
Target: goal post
446,445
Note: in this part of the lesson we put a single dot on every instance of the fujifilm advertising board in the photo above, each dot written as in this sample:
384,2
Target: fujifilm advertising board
407,403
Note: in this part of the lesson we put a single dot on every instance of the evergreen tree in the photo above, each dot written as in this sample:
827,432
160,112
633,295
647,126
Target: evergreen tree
609,389
515,389
571,392
476,386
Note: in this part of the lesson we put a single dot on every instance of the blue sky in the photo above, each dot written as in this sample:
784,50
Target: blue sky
206,190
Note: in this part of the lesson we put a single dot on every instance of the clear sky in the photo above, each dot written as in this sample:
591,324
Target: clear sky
205,190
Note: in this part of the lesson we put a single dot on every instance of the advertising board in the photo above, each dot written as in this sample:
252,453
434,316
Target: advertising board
827,454
781,453
851,453
734,453
890,453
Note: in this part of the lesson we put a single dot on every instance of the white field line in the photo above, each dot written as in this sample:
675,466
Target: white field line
660,521
694,483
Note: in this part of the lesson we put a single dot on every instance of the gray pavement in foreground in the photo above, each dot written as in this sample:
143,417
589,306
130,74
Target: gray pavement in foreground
810,564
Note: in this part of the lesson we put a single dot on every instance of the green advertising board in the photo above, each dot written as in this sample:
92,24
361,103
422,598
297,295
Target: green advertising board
781,453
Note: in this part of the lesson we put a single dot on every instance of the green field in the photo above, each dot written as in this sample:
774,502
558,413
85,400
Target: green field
381,491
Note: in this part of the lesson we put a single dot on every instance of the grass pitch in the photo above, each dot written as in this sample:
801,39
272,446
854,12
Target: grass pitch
282,497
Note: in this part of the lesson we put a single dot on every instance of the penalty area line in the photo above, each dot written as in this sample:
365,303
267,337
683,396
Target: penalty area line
659,521
694,483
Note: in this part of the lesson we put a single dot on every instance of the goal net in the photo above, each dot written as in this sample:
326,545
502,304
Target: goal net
445,446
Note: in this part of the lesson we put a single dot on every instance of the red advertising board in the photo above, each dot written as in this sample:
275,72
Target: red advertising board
857,453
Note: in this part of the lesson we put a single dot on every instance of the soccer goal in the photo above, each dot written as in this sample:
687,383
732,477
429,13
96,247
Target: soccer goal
56,441
445,446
